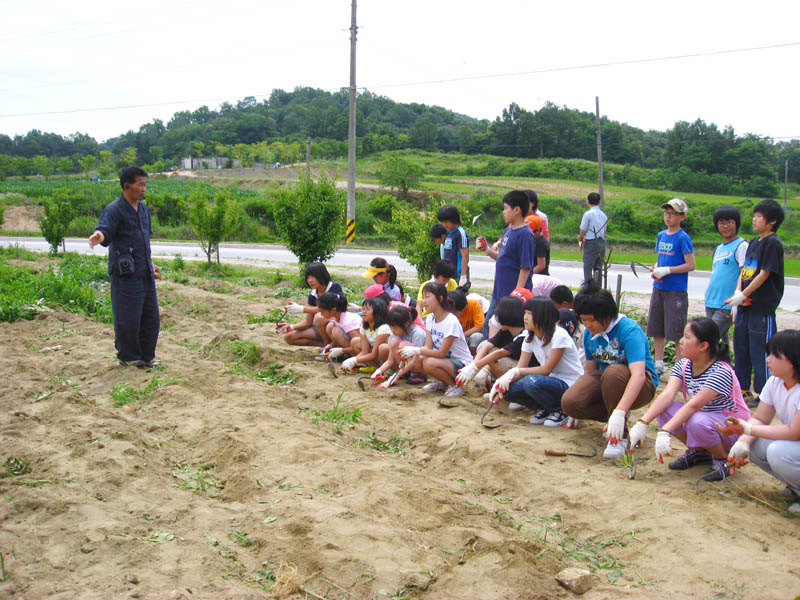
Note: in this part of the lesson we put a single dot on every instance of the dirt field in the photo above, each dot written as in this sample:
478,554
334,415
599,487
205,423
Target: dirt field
218,483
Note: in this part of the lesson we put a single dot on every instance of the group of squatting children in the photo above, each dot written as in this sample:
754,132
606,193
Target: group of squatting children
522,345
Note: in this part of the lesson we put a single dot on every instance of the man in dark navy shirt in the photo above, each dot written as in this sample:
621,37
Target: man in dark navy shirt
125,228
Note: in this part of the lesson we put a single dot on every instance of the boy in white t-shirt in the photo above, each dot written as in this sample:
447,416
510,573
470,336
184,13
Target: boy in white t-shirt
541,387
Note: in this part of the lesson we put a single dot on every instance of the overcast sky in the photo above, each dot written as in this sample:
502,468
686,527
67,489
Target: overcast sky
176,55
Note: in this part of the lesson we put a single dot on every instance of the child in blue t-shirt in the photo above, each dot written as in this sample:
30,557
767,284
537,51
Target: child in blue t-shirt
726,267
456,243
669,303
515,254
619,373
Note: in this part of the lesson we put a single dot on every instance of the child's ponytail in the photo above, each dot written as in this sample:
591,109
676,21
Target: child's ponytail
331,301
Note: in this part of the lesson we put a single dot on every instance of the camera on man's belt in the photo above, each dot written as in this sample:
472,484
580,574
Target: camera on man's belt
125,264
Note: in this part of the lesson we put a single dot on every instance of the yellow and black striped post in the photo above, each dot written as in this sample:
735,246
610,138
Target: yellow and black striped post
350,231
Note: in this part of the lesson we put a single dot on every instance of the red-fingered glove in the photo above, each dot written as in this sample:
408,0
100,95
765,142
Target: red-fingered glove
283,328
377,376
733,426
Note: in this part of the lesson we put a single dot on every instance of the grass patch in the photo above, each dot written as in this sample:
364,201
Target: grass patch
194,478
124,393
274,315
17,252
272,374
245,351
198,308
74,283
394,445
287,292
240,538
14,466
339,415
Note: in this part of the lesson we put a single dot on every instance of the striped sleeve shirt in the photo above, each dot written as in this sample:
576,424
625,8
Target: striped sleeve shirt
716,377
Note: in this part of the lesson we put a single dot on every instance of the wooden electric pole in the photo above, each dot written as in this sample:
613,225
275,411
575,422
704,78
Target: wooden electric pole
350,229
599,153
308,152
785,184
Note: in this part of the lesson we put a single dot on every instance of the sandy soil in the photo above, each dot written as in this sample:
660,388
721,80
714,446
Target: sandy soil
23,218
465,512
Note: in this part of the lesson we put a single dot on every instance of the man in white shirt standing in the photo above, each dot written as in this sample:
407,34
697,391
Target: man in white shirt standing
592,238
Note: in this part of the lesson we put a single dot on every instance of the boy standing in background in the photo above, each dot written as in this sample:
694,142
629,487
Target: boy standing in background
726,267
542,264
669,303
515,254
438,234
456,243
758,295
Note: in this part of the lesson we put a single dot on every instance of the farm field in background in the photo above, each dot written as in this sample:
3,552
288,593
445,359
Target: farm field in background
242,469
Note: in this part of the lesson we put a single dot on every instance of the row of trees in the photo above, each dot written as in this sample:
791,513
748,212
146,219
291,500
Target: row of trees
275,129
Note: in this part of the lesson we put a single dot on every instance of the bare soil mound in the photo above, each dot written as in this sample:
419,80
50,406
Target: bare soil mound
218,485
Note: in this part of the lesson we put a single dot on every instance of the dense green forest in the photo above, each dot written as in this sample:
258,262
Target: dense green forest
709,159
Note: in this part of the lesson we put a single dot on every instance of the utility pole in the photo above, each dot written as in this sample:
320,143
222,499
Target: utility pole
308,152
599,153
785,184
350,229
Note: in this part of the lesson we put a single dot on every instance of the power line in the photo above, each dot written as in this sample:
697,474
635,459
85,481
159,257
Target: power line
409,84
593,66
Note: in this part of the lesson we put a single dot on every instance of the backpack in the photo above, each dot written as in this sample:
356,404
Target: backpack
740,409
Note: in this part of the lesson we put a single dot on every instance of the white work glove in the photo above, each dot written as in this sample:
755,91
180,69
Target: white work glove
638,434
737,455
293,308
736,299
283,328
349,364
501,386
661,272
466,374
409,352
615,428
735,426
739,451
482,377
663,445
377,375
335,353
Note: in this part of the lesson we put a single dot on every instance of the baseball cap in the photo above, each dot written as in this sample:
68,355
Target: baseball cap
521,293
678,205
373,291
534,222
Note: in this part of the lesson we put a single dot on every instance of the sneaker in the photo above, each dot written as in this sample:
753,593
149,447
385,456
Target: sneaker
515,406
615,451
416,378
434,386
139,364
150,364
718,471
453,390
750,399
689,459
540,417
556,419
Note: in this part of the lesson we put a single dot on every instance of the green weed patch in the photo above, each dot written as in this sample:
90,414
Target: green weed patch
124,393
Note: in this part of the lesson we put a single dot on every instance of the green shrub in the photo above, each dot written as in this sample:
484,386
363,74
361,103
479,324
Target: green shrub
310,218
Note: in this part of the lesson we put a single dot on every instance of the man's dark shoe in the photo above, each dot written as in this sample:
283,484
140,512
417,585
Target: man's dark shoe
140,364
689,459
153,363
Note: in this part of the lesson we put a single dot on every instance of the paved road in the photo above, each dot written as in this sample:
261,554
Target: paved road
481,267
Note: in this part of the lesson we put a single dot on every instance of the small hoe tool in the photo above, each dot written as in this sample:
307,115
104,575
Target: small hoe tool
494,423
549,452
